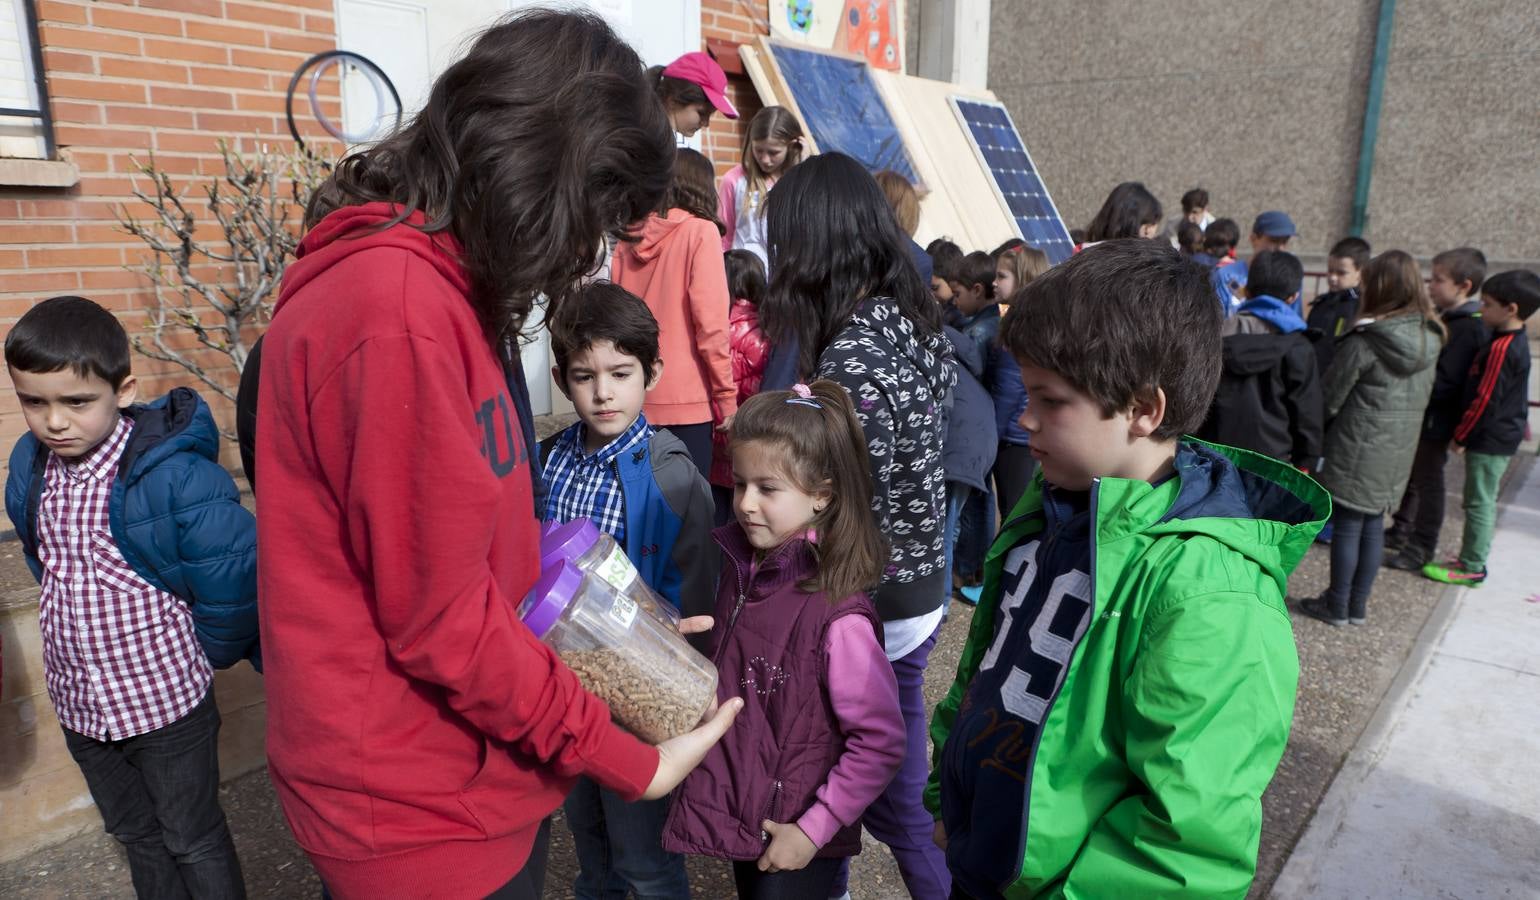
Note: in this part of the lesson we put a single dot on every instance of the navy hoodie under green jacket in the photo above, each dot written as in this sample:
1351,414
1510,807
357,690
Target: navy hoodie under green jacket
176,517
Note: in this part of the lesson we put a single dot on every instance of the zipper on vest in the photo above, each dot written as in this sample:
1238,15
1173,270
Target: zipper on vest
775,803
732,619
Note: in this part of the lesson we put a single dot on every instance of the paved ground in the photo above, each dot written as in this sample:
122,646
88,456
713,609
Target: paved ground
1345,673
1441,798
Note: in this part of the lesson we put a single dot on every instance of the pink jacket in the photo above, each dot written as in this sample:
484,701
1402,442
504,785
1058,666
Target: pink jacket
676,267
750,353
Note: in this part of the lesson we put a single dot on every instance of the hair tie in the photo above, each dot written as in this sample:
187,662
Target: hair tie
804,396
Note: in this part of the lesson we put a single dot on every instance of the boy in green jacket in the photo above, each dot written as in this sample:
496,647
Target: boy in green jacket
1128,681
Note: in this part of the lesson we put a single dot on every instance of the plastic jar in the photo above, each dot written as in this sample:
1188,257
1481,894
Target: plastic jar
581,543
632,657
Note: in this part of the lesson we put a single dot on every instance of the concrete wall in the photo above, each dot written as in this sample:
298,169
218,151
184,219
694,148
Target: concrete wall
1263,105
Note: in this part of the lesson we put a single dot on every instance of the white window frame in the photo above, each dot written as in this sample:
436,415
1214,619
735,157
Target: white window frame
37,111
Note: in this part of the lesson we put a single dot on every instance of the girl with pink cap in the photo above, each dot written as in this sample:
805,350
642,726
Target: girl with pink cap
692,87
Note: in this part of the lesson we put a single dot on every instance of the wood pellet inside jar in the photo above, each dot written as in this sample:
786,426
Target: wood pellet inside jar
651,701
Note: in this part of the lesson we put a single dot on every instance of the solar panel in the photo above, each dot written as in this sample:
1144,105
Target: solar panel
844,112
1004,155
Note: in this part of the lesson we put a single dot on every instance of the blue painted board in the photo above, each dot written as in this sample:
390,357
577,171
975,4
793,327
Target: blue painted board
842,109
1004,155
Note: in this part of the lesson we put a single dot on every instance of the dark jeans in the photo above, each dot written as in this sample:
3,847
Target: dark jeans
529,884
620,847
810,882
957,495
975,532
1014,468
1421,514
158,794
697,440
1357,543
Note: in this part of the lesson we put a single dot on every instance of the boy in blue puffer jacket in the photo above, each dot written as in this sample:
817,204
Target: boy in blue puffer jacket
147,562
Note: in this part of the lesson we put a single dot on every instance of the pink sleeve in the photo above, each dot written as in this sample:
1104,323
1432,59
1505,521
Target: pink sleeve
864,696
727,204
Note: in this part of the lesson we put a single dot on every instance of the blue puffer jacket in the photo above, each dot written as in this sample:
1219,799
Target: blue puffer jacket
176,517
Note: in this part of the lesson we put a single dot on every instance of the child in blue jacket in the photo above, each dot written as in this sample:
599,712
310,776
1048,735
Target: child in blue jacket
147,563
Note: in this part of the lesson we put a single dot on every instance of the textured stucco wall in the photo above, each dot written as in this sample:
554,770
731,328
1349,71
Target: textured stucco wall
1263,103
1459,148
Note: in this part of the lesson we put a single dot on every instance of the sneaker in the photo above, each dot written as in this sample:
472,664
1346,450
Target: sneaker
1454,573
1408,560
971,594
1395,539
1357,620
1320,608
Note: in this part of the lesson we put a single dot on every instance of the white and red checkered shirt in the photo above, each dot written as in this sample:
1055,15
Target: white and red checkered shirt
120,658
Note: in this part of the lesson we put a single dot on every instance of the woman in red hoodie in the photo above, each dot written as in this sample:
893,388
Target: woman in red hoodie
418,734
676,266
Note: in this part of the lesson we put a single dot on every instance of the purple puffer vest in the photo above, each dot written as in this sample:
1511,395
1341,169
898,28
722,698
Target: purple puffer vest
768,647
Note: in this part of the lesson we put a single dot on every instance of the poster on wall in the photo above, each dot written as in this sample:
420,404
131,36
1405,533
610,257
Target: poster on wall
870,29
839,103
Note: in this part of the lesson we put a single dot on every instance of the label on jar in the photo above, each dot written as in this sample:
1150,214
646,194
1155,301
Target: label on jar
623,611
617,569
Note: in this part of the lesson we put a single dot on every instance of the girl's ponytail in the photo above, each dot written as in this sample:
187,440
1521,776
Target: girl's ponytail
815,428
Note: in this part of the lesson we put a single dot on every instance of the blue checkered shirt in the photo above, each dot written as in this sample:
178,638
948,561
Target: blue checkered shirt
588,485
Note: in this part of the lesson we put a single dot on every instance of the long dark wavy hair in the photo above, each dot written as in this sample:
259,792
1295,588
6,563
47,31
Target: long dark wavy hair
544,137
695,187
834,242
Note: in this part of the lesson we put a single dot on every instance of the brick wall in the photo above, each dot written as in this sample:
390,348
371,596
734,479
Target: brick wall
126,78
730,20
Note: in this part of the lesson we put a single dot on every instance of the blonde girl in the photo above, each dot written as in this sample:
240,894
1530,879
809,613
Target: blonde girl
774,143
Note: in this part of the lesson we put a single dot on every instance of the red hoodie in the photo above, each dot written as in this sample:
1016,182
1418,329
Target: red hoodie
417,732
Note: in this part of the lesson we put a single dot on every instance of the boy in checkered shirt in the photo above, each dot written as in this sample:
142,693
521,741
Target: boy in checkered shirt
147,563
642,488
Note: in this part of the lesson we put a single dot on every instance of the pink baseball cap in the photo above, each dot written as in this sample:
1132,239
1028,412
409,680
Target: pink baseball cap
700,69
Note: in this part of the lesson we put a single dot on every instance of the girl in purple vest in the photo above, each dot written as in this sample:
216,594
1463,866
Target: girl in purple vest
821,733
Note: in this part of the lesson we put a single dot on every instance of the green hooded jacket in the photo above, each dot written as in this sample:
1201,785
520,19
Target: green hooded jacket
1146,773
1376,392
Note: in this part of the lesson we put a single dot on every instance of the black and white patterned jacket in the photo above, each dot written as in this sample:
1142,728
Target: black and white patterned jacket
898,379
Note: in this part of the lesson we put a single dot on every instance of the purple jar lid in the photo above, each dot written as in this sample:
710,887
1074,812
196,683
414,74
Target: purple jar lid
567,541
557,586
